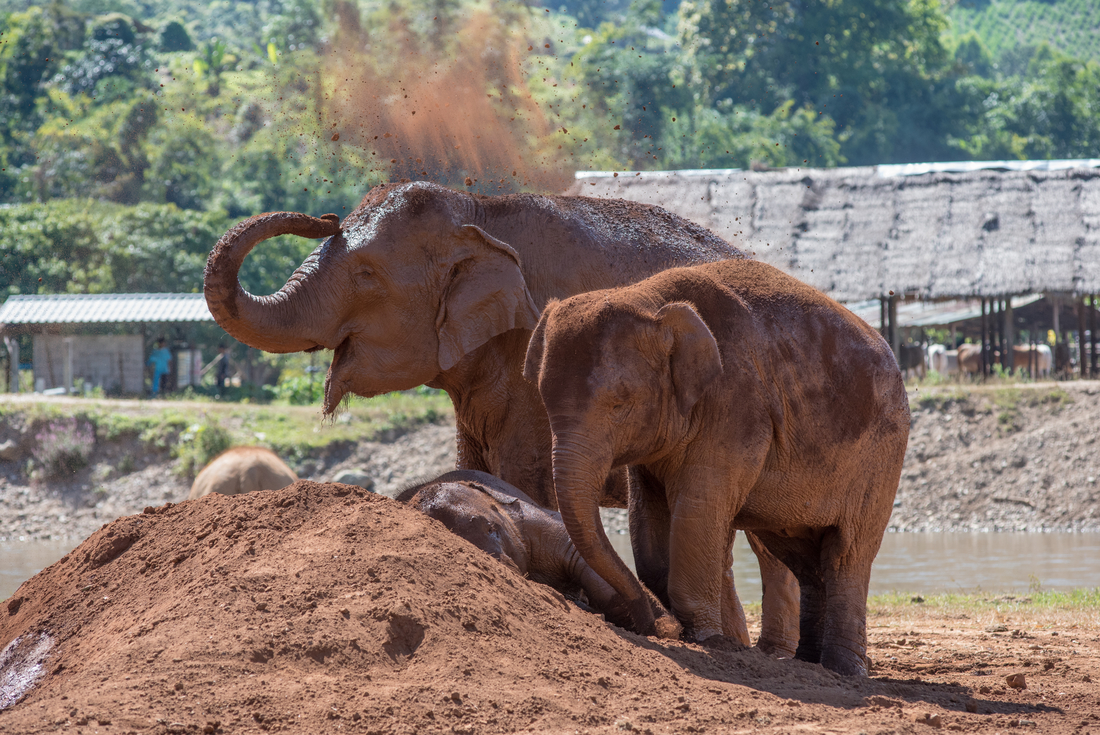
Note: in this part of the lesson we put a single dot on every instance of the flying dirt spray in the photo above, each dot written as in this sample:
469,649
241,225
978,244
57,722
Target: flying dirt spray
455,110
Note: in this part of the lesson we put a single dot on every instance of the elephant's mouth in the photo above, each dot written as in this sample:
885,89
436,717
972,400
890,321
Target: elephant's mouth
336,380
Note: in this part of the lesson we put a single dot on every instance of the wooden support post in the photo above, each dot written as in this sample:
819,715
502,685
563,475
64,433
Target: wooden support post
985,342
1056,321
895,334
12,343
1079,307
1009,335
882,328
995,333
1033,353
1092,338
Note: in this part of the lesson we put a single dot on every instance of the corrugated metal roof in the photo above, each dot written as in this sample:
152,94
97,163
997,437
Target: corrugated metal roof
930,313
105,308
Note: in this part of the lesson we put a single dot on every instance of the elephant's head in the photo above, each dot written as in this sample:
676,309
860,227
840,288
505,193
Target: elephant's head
623,376
401,289
619,382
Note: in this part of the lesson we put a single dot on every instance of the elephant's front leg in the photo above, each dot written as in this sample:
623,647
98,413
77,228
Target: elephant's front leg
649,520
700,583
734,623
780,622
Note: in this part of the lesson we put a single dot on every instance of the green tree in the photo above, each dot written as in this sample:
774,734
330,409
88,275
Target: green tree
174,37
877,67
1048,113
31,46
184,162
113,61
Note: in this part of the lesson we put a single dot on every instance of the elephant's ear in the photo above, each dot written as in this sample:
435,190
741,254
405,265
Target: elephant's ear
694,359
486,296
532,363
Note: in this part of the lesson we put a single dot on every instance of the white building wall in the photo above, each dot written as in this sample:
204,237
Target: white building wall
112,362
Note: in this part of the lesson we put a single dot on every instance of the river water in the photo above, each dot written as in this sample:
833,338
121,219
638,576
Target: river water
907,562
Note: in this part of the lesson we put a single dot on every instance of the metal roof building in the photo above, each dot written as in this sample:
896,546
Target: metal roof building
64,350
21,312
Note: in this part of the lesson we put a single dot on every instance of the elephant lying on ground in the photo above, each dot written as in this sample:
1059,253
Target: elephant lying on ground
425,285
700,376
503,522
242,470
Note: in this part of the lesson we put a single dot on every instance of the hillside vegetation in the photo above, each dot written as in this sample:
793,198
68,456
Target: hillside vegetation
133,133
1008,26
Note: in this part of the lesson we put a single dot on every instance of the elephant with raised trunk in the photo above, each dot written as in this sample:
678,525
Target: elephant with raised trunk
754,402
425,285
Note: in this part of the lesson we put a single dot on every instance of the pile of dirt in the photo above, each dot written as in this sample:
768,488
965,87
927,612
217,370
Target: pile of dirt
1002,458
320,608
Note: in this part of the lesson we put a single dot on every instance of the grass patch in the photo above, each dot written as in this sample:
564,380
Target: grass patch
941,400
1036,608
196,430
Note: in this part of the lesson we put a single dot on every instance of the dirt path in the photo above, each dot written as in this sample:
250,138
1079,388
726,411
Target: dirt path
320,609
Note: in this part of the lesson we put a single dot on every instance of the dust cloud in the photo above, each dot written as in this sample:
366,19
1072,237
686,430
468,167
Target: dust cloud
451,107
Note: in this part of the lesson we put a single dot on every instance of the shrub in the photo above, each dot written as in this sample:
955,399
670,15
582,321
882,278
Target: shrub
63,447
200,444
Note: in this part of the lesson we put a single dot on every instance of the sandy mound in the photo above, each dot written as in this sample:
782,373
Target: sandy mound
322,607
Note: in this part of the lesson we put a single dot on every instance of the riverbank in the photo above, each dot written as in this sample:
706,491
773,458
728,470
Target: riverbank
319,607
1021,457
980,458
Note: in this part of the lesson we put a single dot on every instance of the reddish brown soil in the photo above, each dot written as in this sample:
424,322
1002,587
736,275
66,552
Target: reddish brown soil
318,608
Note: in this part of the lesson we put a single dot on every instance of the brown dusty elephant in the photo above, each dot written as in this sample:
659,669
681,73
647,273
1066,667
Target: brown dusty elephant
425,285
242,470
755,402
505,523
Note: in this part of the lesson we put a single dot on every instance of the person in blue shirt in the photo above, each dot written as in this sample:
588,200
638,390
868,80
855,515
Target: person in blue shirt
160,359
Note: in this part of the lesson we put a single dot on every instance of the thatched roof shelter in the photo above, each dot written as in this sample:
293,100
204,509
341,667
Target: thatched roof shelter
926,231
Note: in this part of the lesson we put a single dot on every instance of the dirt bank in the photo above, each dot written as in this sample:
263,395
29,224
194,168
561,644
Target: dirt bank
979,459
320,608
1008,458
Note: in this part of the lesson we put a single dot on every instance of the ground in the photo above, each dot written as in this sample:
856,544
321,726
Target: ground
323,608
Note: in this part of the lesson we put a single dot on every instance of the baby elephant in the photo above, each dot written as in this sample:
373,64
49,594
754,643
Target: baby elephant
502,521
242,470
751,401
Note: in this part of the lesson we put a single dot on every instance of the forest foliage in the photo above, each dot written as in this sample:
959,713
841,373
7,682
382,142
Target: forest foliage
133,133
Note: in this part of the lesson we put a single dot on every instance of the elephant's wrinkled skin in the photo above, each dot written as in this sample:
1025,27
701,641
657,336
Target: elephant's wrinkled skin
755,402
502,521
425,285
242,470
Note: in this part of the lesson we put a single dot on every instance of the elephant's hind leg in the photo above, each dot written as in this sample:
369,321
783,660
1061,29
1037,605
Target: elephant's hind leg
779,630
847,575
802,557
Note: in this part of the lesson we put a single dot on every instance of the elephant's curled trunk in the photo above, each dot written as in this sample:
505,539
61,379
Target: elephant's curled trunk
271,323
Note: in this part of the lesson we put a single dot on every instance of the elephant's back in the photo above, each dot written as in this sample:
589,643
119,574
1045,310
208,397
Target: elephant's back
572,244
240,470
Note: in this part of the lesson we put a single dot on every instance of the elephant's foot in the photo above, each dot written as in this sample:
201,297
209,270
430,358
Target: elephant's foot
724,643
778,649
844,660
668,628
